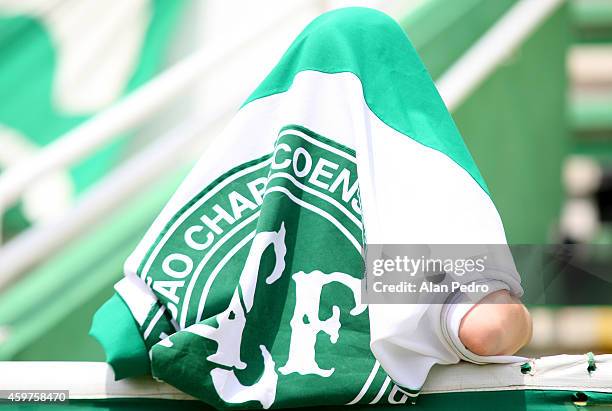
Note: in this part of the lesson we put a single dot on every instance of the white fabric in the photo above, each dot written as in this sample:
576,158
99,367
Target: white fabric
138,297
410,193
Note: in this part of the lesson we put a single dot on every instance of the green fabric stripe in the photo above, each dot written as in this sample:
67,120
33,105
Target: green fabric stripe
163,325
116,330
531,400
396,85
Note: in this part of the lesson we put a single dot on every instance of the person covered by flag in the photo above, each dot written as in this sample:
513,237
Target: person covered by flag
246,290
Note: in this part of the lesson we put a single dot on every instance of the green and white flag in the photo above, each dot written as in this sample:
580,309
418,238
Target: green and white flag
246,290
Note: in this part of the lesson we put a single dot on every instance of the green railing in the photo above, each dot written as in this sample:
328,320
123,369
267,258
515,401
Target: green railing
592,20
591,115
443,30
